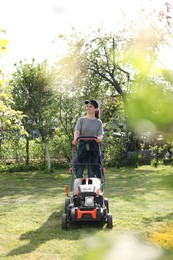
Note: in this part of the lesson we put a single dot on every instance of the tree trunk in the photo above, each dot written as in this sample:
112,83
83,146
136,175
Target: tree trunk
48,156
0,151
27,151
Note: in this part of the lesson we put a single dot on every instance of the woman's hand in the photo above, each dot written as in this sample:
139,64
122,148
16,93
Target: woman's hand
98,140
74,142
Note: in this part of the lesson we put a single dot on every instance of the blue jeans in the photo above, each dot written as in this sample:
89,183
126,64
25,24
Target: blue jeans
87,154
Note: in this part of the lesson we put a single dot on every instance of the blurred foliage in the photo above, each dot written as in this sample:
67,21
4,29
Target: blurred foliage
3,42
163,236
10,119
150,108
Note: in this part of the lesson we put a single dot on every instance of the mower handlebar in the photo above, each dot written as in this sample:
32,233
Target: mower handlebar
86,138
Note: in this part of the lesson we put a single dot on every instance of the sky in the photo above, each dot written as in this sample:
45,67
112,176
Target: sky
32,25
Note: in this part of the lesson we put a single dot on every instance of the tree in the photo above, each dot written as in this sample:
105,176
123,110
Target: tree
70,77
10,119
110,63
33,94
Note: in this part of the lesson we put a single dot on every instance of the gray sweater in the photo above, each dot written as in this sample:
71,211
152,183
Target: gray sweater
89,127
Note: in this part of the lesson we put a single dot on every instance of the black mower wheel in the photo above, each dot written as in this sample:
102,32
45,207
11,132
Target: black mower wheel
67,202
64,221
109,220
106,202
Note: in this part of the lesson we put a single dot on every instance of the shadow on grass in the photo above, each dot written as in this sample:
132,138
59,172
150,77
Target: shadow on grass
52,230
46,232
164,218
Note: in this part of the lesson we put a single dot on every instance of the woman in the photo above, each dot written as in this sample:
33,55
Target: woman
88,151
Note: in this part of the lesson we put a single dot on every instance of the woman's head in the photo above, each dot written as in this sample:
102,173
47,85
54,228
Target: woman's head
92,107
92,102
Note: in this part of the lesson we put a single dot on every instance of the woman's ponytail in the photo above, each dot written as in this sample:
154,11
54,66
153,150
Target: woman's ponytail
97,113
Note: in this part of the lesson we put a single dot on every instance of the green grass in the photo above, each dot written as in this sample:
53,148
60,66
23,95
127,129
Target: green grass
32,203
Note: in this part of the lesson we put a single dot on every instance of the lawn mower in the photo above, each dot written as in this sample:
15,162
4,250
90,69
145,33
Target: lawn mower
86,203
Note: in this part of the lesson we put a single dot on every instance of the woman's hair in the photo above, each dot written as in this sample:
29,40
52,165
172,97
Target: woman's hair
97,113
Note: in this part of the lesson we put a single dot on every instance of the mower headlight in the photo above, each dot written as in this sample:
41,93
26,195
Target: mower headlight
89,201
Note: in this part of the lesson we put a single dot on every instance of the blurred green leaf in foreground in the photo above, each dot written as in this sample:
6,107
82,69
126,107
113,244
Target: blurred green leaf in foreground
150,108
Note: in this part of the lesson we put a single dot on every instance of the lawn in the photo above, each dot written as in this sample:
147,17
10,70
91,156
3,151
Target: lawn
140,201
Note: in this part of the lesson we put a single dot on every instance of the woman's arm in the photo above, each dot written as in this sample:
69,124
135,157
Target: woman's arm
76,135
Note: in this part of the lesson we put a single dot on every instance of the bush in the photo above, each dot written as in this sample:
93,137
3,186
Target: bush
33,166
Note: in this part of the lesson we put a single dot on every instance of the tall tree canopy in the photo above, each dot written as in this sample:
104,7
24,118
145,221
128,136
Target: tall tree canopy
33,93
